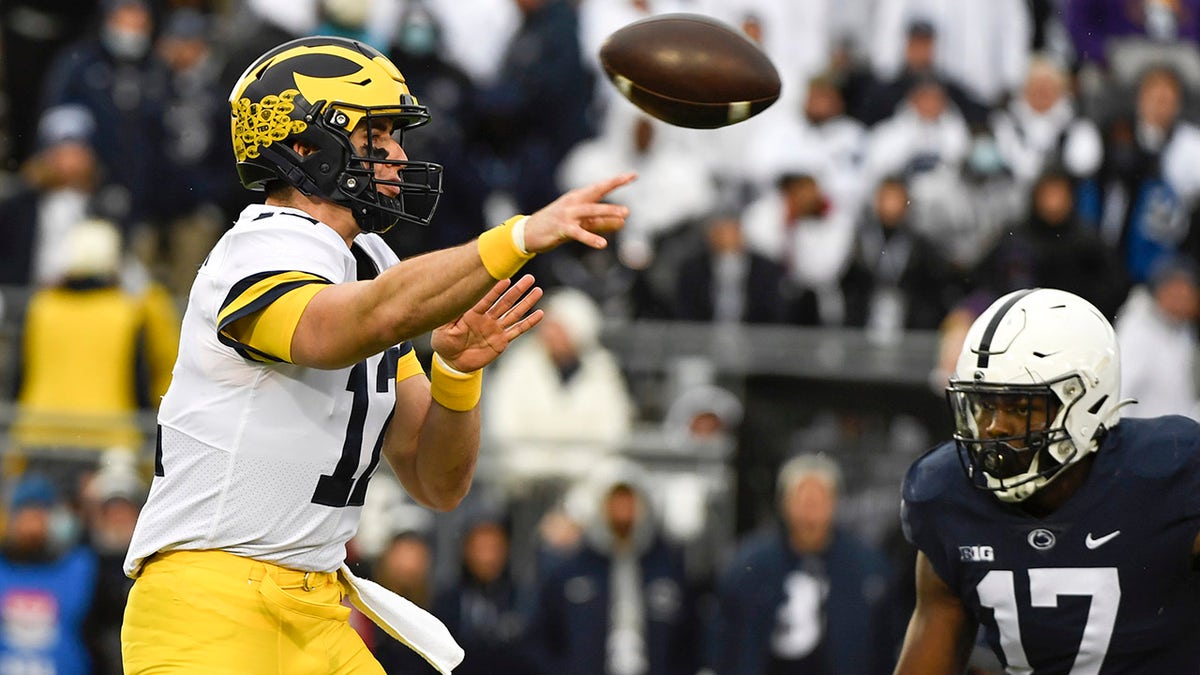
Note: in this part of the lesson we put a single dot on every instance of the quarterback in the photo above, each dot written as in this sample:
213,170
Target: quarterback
1072,539
296,376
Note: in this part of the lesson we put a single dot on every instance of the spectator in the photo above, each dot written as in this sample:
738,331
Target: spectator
882,96
822,139
963,207
113,496
1041,127
58,187
698,497
725,282
561,392
1055,249
122,83
406,568
620,604
925,133
452,135
897,279
485,610
983,45
1156,331
46,586
203,195
808,596
86,393
537,109
1148,182
798,227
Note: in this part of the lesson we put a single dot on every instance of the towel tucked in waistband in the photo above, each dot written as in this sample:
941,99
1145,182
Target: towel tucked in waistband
408,623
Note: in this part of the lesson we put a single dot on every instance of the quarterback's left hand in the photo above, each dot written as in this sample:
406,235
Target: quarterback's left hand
483,332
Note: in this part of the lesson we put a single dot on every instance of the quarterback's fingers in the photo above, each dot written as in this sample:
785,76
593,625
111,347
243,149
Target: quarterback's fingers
519,328
511,296
596,191
602,224
485,303
522,308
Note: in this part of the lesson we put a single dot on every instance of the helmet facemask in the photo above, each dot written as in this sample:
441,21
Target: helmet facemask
1051,359
1022,454
418,184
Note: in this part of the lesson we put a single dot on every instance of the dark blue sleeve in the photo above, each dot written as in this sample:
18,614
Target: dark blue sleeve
925,488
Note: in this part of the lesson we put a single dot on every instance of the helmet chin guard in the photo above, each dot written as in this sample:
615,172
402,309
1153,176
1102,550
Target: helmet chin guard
1034,390
317,91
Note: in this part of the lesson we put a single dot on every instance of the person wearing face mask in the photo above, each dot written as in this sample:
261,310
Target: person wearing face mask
419,46
45,587
115,76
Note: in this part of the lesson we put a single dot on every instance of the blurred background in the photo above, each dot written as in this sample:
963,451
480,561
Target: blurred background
794,287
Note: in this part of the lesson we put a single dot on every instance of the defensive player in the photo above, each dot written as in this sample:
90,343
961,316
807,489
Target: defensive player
295,374
1083,557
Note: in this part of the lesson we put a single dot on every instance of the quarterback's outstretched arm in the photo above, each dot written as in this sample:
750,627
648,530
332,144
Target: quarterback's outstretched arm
345,323
940,635
432,442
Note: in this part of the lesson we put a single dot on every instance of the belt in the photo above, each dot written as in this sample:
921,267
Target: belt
238,566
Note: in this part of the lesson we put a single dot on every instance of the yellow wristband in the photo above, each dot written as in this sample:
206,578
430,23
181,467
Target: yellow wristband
499,250
453,389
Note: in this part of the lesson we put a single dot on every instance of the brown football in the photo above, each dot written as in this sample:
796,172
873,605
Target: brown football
690,70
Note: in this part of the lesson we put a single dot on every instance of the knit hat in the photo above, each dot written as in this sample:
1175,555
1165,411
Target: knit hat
33,491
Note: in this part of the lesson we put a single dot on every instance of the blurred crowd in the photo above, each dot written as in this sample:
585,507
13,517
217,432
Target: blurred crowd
924,158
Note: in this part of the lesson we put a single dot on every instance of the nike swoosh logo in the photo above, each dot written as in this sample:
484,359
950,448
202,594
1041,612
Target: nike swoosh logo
1097,543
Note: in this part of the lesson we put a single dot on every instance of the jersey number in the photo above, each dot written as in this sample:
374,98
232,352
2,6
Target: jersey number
342,487
996,591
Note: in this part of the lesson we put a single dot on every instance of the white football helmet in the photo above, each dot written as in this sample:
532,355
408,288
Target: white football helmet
1034,350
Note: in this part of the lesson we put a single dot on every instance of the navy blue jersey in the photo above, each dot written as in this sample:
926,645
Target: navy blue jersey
1106,584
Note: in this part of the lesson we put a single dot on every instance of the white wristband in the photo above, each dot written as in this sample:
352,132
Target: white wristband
451,369
518,235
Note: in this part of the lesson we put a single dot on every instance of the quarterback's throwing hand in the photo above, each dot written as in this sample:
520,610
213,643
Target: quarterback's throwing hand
578,215
483,332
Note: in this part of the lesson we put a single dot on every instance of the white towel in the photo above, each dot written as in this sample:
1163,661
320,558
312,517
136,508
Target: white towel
408,623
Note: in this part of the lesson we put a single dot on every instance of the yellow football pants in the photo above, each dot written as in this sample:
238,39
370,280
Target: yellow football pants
216,613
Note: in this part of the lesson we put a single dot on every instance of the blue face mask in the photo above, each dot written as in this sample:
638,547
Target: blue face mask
985,158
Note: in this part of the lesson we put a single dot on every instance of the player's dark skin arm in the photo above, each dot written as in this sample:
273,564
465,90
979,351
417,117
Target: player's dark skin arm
940,633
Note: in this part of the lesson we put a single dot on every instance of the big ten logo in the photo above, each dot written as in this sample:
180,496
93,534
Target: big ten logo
976,553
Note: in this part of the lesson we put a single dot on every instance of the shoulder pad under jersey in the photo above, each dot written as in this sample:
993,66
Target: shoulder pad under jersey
933,473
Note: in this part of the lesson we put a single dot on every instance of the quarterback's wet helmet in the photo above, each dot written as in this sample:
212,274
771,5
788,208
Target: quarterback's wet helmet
317,90
1035,389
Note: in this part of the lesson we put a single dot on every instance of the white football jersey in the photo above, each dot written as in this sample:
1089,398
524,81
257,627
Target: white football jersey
257,456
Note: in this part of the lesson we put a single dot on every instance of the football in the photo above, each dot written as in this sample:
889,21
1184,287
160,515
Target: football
690,70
